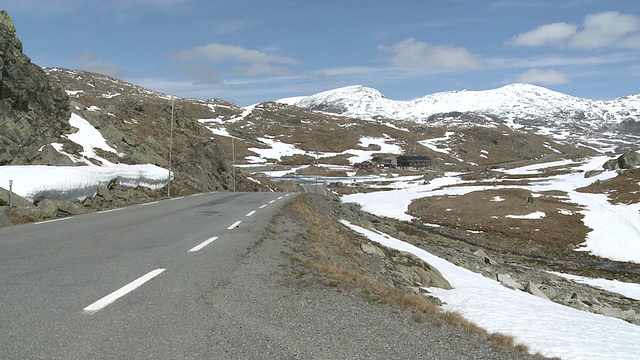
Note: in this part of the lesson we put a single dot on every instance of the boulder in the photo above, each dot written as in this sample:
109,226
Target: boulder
48,208
66,207
484,258
506,280
417,272
25,213
373,250
534,289
628,160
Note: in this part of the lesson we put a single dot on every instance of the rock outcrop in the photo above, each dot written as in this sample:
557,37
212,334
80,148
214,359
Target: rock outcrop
33,112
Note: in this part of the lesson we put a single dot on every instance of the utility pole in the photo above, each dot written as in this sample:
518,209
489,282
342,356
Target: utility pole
170,146
315,190
233,163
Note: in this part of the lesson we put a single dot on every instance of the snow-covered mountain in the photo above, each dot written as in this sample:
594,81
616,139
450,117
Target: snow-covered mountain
516,105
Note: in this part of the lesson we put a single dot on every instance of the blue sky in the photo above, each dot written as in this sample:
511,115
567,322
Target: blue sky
249,51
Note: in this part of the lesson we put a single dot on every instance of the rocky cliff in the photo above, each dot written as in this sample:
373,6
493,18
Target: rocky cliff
32,110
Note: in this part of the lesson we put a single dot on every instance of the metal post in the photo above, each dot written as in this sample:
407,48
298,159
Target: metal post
233,163
170,147
315,189
10,193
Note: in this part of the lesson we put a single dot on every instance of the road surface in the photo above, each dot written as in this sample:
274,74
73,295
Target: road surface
124,283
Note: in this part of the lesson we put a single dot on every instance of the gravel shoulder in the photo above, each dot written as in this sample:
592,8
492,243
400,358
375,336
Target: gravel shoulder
284,307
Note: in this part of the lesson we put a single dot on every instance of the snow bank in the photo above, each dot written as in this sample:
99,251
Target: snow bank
76,183
544,326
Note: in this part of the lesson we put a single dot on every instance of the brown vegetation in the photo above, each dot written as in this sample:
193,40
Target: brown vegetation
330,251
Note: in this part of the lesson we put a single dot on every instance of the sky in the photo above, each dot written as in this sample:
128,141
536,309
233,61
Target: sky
252,51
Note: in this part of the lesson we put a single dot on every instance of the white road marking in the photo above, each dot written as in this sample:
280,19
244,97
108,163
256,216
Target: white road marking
194,195
234,225
150,203
280,197
102,303
263,206
204,244
108,211
287,195
251,213
54,220
272,201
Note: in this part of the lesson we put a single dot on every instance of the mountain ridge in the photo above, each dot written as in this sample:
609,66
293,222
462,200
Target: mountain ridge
516,105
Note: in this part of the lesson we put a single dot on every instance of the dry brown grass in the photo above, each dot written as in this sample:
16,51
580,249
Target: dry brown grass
487,211
623,189
332,252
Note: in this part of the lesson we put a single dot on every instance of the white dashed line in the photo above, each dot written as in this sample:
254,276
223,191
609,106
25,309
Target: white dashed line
151,203
280,198
272,201
102,303
251,213
263,206
234,225
108,211
204,244
54,220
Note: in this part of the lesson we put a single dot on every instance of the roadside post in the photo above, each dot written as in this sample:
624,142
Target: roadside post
10,193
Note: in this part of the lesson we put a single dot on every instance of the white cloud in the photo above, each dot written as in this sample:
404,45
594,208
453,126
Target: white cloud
411,53
254,62
543,77
609,29
88,62
230,53
551,34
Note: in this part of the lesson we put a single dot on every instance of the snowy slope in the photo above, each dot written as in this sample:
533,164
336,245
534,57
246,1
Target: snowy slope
516,105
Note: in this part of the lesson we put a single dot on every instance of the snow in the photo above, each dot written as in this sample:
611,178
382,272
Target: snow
76,183
629,290
89,138
513,103
546,327
533,215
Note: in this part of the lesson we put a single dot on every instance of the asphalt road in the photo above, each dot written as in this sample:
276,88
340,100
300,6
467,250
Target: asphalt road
124,283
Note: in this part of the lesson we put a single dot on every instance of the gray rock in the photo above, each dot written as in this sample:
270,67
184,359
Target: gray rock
592,173
67,207
506,280
4,220
28,214
104,193
33,112
16,200
484,258
373,250
625,161
48,208
534,289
